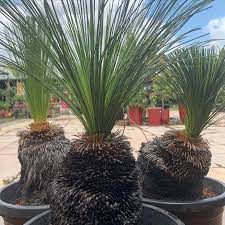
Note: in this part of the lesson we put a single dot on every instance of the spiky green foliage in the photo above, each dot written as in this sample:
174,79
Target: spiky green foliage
176,163
41,148
37,96
102,51
197,77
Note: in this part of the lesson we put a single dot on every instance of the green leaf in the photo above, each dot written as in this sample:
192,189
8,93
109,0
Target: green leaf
197,77
102,51
36,95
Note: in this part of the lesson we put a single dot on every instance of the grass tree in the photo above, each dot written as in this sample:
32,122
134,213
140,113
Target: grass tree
42,146
102,52
174,165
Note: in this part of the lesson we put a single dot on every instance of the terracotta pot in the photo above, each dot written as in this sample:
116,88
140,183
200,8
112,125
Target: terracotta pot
154,116
165,116
182,112
135,115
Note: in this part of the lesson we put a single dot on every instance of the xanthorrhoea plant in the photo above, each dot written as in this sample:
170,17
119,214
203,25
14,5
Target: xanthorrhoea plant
179,160
102,52
43,146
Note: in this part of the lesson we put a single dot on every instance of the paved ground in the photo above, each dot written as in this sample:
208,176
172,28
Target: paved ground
9,165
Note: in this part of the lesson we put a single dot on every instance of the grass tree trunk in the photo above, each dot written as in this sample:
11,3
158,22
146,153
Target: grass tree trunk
40,151
173,167
97,184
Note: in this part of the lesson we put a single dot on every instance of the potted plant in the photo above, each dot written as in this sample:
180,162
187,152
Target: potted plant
162,93
154,116
102,67
18,105
154,112
135,113
174,165
43,145
136,108
6,98
4,106
165,115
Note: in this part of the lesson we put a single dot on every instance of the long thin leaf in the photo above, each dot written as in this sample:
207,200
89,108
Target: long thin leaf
102,51
197,77
37,96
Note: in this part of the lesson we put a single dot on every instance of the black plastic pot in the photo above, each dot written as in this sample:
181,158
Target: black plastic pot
152,216
201,212
15,214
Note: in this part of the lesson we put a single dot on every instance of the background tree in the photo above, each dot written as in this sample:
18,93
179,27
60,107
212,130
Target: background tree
160,91
140,100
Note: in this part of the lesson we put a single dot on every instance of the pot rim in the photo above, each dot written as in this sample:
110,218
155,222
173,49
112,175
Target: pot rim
7,209
218,200
36,218
161,211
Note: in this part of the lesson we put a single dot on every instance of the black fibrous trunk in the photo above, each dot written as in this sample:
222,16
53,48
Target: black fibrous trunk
40,154
97,185
173,169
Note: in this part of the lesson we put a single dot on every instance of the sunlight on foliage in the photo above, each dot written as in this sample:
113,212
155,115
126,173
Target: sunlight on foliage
102,51
36,95
197,77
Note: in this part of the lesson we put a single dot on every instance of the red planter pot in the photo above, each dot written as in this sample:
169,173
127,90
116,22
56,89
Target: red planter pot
135,115
165,116
182,112
154,116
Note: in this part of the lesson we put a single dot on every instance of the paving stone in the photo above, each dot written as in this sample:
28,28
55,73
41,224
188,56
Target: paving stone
9,165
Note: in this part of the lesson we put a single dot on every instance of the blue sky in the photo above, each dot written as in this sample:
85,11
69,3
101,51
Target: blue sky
212,21
217,11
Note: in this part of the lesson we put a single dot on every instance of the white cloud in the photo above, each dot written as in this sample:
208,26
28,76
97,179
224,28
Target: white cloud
216,28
